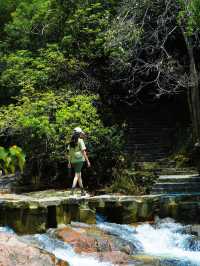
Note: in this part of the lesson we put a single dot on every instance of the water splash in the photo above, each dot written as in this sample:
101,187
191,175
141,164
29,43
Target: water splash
6,229
168,240
122,231
165,240
62,250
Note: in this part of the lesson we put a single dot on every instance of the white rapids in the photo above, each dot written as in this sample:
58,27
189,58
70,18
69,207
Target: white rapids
166,240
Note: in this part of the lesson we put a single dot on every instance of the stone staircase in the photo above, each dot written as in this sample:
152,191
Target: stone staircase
7,182
176,184
149,139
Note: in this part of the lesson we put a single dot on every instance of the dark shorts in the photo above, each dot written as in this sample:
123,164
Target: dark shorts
77,167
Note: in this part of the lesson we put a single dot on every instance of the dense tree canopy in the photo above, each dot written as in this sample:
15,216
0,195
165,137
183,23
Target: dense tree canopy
58,55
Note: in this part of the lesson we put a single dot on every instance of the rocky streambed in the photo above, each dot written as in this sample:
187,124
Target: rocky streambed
14,251
163,243
53,227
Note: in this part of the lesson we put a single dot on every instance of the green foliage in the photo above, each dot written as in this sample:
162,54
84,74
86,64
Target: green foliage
52,51
43,124
78,26
124,185
189,16
11,159
121,37
182,160
48,68
84,29
7,7
25,30
134,179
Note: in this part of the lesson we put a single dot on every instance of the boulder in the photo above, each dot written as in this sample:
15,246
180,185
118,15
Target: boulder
14,252
84,242
92,240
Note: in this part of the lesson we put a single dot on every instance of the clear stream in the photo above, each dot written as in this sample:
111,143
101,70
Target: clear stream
166,240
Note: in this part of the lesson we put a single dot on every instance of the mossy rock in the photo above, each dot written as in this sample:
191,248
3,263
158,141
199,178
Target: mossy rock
24,221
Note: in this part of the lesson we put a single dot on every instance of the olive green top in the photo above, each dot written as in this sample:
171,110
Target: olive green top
75,154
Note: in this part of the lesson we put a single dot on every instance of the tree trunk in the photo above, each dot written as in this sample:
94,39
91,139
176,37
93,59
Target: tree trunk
193,92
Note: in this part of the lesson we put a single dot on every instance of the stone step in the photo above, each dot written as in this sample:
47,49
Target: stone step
147,147
177,171
177,187
175,191
178,179
150,139
142,124
154,133
148,144
149,129
141,159
149,157
152,159
149,153
147,150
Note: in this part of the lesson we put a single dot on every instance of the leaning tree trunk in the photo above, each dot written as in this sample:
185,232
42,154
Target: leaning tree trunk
193,92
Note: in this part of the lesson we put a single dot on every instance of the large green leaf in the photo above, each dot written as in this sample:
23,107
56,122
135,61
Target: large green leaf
3,153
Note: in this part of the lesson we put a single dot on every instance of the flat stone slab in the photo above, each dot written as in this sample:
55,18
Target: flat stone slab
37,211
178,176
56,197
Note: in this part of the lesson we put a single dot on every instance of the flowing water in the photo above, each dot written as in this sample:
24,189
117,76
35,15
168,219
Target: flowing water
62,250
166,240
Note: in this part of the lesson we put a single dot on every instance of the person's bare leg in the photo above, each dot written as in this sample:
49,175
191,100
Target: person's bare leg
76,177
80,182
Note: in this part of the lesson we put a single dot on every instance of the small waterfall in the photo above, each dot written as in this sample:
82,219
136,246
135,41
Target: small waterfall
62,250
169,240
165,240
124,232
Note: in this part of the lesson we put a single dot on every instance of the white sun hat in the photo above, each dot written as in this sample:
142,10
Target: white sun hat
78,130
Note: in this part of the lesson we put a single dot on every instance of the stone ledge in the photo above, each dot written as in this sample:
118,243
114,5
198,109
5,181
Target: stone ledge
38,211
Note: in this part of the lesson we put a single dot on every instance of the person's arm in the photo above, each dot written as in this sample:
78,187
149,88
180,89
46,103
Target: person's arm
69,162
68,158
86,158
83,150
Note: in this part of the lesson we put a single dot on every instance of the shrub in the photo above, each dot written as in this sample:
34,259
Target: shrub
12,159
42,125
133,179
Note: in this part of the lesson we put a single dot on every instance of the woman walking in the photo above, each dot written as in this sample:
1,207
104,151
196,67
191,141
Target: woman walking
77,156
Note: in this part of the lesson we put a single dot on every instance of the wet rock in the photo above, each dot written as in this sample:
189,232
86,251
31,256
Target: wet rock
115,257
98,243
23,219
195,230
86,214
145,260
83,242
14,252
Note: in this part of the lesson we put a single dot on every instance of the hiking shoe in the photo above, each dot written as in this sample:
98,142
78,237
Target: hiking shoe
83,193
72,191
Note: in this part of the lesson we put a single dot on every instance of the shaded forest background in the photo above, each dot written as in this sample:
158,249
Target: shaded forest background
66,63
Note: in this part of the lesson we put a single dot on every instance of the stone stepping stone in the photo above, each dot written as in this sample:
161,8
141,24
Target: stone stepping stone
177,184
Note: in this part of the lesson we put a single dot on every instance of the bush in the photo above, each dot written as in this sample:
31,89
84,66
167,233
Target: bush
12,159
133,179
42,125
